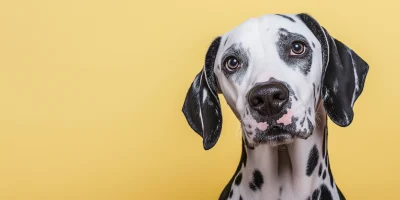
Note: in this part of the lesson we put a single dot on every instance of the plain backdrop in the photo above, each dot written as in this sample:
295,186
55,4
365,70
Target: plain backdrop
91,94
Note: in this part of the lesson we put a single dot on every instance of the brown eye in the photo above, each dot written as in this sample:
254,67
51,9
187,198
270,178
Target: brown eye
232,63
298,48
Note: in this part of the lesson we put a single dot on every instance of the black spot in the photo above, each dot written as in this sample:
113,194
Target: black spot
230,194
258,180
313,44
252,186
312,160
313,85
280,190
309,110
226,40
324,175
320,169
302,121
286,17
324,143
310,126
315,194
325,193
315,96
326,161
315,101
243,158
240,198
330,175
238,179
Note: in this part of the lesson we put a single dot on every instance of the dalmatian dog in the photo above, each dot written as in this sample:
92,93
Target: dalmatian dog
281,75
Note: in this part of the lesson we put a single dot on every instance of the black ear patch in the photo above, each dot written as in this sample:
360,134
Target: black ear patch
201,107
343,82
344,74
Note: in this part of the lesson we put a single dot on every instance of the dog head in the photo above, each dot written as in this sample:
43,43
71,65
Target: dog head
274,72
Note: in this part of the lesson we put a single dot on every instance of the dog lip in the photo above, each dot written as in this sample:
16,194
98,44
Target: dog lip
275,139
275,129
279,133
276,134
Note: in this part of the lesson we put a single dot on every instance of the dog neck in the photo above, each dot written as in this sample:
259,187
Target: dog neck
299,170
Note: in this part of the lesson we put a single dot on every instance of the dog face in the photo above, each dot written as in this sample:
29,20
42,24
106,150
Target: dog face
269,70
272,72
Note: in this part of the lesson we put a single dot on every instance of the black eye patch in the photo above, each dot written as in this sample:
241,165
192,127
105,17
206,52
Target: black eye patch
284,44
242,55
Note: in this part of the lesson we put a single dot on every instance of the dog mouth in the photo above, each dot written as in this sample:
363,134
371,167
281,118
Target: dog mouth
276,130
275,135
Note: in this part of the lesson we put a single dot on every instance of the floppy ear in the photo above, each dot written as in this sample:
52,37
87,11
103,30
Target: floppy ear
343,76
202,108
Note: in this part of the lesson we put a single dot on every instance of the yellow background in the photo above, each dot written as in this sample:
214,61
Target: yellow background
91,94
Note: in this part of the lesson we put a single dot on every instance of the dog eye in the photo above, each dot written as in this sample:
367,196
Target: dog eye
232,63
298,48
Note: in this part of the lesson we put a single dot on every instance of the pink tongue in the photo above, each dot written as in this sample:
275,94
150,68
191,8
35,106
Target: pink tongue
262,126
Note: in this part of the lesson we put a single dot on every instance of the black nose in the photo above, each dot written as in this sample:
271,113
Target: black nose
268,98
